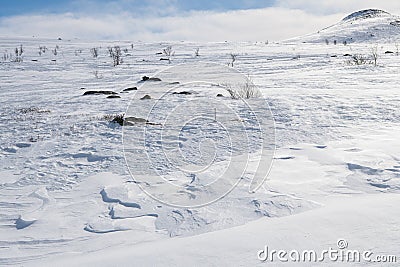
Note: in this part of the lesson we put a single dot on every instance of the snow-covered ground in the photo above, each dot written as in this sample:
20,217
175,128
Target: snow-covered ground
67,196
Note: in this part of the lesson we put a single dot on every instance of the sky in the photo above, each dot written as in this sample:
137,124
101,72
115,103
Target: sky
175,20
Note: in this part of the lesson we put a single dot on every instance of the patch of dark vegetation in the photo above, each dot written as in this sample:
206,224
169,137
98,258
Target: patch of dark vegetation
182,93
130,89
134,120
285,158
115,118
395,23
34,139
126,121
100,93
33,110
153,79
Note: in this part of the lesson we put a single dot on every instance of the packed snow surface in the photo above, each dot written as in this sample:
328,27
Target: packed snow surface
67,197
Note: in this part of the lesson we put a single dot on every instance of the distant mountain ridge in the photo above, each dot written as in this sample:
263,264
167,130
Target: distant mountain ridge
369,25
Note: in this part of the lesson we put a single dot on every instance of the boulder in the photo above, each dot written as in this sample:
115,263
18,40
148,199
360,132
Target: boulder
182,93
146,97
113,96
100,93
154,79
130,89
132,120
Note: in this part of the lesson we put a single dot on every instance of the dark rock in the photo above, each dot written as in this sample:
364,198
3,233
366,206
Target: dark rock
165,59
129,89
395,23
119,119
347,55
146,78
334,56
132,120
389,52
100,93
220,95
159,53
174,83
146,97
182,93
113,96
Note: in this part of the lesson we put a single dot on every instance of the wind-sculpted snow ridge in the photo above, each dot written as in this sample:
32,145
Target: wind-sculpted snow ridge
123,207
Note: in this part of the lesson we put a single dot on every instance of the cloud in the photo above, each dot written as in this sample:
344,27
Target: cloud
241,25
325,7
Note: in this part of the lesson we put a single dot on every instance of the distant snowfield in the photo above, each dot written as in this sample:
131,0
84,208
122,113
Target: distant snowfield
67,199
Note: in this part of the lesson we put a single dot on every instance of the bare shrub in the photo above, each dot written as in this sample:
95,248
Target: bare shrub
233,59
18,54
359,59
375,56
94,51
246,90
97,74
55,50
6,56
196,52
42,50
169,53
116,55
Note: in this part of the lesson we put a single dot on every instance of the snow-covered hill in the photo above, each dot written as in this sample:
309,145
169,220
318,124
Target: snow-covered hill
370,25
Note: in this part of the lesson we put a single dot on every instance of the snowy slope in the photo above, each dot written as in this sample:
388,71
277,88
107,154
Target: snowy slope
369,25
66,195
